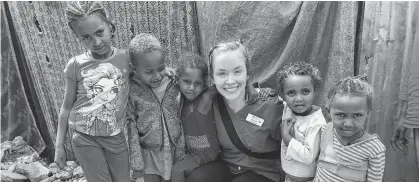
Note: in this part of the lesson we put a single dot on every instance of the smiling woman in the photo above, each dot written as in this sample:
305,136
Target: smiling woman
249,133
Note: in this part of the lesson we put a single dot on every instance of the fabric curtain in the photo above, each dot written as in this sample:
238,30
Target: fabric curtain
276,33
17,118
48,42
388,45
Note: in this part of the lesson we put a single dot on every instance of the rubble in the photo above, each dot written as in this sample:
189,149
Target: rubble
7,176
20,162
35,171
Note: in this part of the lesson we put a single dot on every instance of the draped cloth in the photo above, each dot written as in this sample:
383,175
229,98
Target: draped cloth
17,118
276,33
390,56
48,42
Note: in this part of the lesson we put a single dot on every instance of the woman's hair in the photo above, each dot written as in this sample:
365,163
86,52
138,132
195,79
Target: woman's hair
80,9
143,43
302,69
105,70
228,46
355,86
191,60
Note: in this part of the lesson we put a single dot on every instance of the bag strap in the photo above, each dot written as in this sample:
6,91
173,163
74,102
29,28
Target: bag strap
232,134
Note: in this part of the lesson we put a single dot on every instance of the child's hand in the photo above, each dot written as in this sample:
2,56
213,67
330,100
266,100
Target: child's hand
287,126
266,92
171,73
286,130
399,136
60,158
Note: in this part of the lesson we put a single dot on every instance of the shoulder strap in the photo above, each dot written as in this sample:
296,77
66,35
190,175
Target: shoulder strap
232,134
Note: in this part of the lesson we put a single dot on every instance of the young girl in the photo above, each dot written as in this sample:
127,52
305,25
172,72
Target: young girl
155,131
347,152
301,121
95,96
197,115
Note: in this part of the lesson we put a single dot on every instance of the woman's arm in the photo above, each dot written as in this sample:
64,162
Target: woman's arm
69,99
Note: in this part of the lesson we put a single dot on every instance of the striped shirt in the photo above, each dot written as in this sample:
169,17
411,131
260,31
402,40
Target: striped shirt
371,150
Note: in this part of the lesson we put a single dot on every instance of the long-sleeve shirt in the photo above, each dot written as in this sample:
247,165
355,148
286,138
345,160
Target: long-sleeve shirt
299,157
156,136
199,128
371,150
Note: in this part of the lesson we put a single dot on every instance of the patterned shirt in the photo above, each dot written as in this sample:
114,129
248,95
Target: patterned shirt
371,150
102,92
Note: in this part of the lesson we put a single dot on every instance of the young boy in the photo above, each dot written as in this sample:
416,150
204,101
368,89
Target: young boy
154,128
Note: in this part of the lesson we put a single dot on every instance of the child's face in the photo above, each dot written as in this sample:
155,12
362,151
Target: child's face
150,68
230,74
349,114
191,83
94,33
299,92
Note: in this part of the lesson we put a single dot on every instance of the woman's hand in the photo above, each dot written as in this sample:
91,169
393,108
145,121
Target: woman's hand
267,92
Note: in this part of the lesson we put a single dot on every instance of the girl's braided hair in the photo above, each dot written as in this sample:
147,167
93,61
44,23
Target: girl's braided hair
79,9
353,85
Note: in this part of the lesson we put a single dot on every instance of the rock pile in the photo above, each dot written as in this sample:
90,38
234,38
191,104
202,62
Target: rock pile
21,163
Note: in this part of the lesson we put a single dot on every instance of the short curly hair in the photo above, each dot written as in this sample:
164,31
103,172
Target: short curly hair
353,85
299,68
191,60
143,43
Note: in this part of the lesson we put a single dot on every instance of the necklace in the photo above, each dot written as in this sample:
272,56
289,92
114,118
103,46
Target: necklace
191,107
305,113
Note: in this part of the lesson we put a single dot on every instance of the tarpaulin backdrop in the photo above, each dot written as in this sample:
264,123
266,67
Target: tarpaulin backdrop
17,118
276,33
48,42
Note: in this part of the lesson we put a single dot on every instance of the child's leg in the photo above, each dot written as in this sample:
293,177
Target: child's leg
116,153
91,158
182,168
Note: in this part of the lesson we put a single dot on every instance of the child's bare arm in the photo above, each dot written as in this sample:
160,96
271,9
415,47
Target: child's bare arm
69,99
136,158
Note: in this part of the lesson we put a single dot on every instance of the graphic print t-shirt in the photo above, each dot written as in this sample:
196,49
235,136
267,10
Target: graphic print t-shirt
102,92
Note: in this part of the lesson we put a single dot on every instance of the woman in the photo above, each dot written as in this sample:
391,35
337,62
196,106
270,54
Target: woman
249,134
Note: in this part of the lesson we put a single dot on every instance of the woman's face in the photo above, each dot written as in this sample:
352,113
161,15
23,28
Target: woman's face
230,74
105,90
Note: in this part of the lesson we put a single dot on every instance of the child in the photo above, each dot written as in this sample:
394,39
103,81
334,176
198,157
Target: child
95,97
301,121
155,131
197,116
347,152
